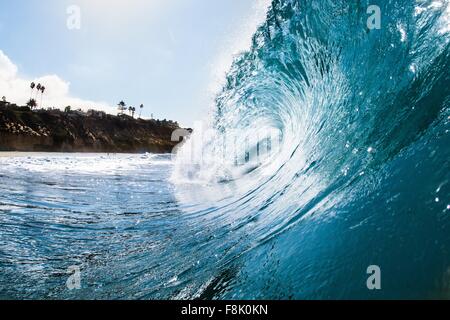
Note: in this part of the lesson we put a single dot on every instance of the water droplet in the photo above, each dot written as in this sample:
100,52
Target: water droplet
345,171
173,280
403,35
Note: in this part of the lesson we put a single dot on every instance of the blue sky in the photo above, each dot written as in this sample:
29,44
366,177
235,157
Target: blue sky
163,53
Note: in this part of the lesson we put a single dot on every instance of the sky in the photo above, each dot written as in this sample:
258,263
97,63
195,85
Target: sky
170,55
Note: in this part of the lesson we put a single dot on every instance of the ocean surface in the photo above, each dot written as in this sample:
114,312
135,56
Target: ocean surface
354,173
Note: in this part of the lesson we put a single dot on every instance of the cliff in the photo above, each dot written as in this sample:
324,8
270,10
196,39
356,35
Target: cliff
56,131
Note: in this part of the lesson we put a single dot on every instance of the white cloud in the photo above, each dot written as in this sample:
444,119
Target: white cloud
17,89
7,68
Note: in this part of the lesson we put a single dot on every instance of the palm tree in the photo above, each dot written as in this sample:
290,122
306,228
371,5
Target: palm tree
32,104
32,86
121,107
131,110
42,94
38,88
140,112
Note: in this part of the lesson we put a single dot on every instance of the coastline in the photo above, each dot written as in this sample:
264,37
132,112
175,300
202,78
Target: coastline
26,130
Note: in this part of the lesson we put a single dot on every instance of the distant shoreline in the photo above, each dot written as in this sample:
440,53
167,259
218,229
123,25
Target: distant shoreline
26,130
24,154
17,154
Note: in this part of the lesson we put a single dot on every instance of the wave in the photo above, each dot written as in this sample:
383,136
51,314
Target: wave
328,152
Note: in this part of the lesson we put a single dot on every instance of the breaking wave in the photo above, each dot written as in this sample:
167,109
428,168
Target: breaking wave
360,174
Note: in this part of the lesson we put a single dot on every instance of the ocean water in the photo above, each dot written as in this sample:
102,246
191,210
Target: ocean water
109,215
356,176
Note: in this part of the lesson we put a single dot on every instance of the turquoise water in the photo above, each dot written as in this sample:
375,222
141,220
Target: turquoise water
361,173
359,176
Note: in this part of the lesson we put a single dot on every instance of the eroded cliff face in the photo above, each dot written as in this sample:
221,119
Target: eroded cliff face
55,131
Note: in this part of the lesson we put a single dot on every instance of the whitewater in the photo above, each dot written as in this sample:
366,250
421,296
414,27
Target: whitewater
327,152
